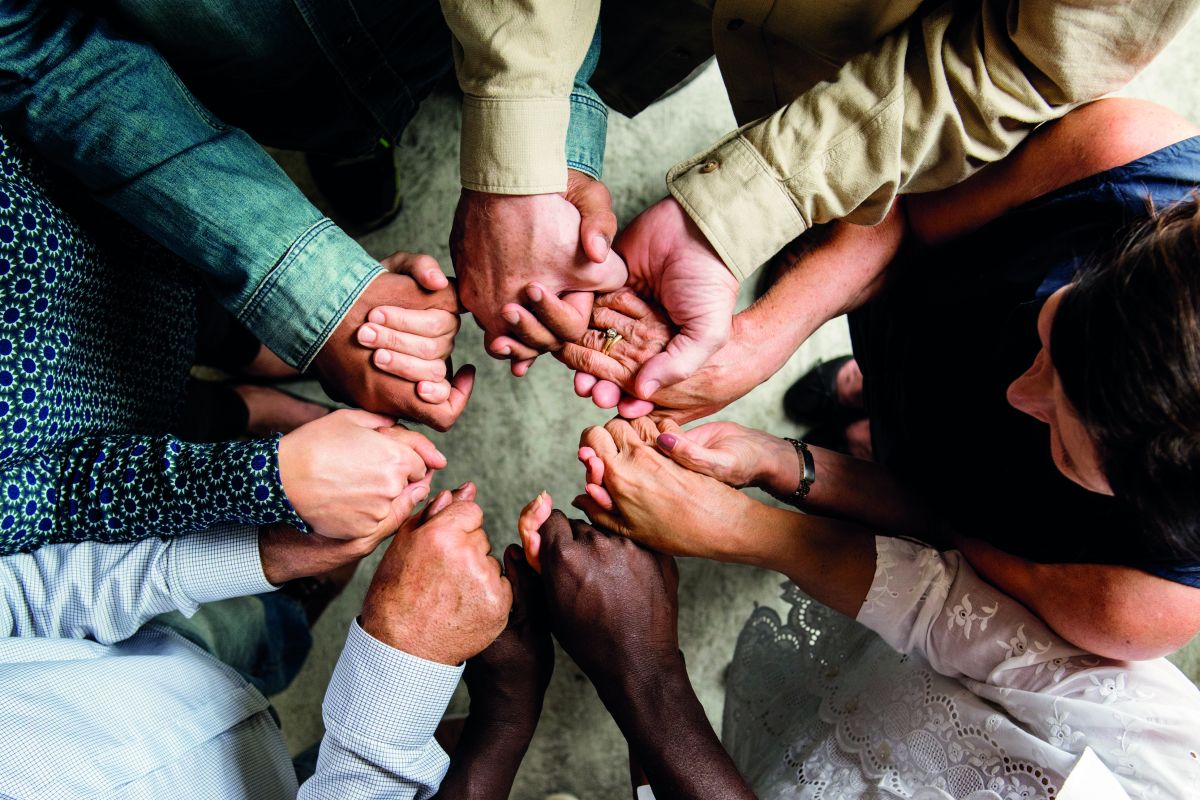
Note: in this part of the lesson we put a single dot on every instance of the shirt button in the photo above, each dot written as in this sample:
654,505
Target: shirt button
734,24
709,166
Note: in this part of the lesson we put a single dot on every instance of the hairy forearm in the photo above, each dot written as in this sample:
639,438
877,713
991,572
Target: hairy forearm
690,762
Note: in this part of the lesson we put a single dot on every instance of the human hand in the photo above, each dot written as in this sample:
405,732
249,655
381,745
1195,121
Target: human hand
733,454
437,594
508,249
638,492
414,344
346,365
508,680
670,261
730,373
352,474
613,605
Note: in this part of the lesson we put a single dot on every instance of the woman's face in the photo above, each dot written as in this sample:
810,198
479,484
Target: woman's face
1039,394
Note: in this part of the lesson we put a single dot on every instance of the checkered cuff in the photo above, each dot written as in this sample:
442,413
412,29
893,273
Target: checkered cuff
215,565
384,695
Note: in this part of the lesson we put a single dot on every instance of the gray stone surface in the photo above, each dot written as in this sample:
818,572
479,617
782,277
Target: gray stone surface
519,436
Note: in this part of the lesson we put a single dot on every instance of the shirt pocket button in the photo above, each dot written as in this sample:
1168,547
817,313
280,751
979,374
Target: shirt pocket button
709,166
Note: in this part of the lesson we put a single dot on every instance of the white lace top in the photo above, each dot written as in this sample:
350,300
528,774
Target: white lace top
975,697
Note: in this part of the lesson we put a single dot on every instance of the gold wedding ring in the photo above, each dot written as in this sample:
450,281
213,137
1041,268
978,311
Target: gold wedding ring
611,337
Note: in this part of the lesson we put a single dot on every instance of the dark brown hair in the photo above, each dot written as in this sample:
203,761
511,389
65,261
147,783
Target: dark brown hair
1126,343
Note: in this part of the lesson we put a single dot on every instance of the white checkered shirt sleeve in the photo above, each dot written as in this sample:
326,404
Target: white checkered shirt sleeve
381,709
106,592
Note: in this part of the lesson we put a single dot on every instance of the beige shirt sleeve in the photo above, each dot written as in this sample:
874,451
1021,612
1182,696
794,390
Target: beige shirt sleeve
516,63
954,89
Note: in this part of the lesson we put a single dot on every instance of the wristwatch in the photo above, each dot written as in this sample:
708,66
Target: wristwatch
808,472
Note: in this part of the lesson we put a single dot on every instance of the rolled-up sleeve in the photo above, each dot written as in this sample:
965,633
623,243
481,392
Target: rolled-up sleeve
954,89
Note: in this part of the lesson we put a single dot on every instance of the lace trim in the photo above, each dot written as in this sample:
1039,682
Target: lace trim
805,719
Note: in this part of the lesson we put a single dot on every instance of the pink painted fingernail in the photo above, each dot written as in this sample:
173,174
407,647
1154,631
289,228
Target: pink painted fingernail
367,334
534,292
667,441
511,317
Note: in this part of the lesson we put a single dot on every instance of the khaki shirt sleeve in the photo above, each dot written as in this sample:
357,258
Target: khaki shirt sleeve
516,64
952,90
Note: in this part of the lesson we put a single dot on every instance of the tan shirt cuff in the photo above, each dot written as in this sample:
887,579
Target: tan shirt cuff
733,197
514,146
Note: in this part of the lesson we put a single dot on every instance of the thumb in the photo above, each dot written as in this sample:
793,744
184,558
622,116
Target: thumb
687,352
407,500
597,222
533,516
688,454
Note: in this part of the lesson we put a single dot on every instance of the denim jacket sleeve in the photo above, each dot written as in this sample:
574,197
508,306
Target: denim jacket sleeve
109,111
588,126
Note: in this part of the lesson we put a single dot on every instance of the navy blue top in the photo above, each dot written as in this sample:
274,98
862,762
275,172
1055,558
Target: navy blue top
957,325
97,332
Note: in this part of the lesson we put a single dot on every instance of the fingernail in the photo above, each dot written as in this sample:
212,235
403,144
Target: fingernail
383,357
375,316
511,317
650,388
503,350
534,293
667,441
599,240
420,493
440,455
462,486
367,335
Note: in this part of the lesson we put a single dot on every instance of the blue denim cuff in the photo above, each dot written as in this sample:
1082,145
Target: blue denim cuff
587,132
307,293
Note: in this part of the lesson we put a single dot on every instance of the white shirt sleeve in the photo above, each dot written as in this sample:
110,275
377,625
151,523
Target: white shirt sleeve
381,709
106,592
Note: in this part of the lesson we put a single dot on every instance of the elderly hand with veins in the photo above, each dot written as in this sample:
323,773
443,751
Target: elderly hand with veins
671,263
510,250
821,275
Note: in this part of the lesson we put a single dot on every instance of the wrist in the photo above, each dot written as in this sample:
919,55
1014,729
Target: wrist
781,471
272,551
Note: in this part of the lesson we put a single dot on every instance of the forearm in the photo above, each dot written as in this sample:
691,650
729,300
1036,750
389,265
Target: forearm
848,488
381,708
688,764
485,761
107,592
835,271
126,488
139,142
516,65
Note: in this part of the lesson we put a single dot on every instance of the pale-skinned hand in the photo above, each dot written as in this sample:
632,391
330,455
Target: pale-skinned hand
353,474
671,262
508,249
437,593
733,454
422,305
637,491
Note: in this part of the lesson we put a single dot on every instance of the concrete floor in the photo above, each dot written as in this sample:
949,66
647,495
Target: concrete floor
518,437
